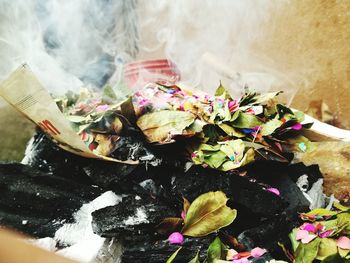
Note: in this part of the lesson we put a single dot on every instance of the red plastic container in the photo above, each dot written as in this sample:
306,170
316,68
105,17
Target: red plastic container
138,74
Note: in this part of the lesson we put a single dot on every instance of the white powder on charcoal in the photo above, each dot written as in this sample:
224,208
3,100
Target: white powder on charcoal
140,217
83,244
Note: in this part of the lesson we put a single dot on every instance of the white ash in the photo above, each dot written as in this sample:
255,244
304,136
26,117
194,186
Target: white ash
140,217
30,150
315,195
83,244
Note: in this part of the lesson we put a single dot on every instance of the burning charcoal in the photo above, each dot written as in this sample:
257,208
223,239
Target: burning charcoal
160,251
37,203
133,217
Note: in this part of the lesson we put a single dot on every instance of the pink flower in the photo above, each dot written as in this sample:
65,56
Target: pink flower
274,191
304,236
176,238
257,252
102,108
343,242
297,126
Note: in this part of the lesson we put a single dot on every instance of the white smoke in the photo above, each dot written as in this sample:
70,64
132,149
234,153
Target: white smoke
187,30
66,42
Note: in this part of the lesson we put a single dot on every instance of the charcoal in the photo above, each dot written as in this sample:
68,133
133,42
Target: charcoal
134,217
160,251
268,234
46,156
37,203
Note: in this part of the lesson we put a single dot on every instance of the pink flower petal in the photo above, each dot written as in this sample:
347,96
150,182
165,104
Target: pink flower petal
176,238
308,227
102,108
257,252
343,242
273,190
231,253
308,239
183,215
301,234
241,260
297,126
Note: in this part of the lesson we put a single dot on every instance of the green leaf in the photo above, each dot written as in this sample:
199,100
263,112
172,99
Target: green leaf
207,214
216,250
173,256
306,253
246,120
222,92
231,131
75,118
160,125
270,126
248,157
216,159
321,212
209,148
299,115
336,258
328,246
108,94
343,219
195,259
261,98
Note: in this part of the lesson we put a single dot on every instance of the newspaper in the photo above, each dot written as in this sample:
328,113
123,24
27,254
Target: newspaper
24,92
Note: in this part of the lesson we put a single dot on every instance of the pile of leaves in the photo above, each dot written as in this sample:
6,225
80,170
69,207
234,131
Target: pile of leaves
207,214
222,132
324,236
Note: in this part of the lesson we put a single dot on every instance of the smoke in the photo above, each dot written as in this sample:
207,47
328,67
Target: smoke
187,30
299,46
67,43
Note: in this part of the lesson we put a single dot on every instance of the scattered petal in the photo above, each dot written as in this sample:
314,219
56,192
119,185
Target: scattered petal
302,146
183,215
176,238
325,233
102,108
231,253
309,227
257,252
274,191
301,234
343,242
297,126
241,260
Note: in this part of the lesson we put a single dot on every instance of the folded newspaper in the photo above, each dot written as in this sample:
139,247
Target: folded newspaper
221,132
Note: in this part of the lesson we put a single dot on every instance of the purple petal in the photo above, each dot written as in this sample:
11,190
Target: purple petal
176,238
308,227
326,233
297,126
274,191
258,252
241,260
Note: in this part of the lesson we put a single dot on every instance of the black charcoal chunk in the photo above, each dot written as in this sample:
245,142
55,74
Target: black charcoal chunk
134,216
37,203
